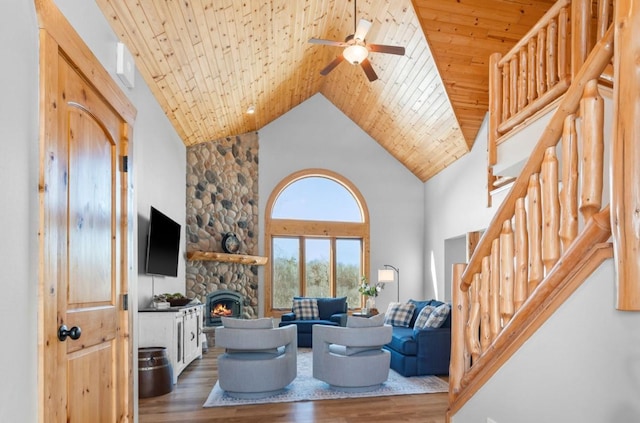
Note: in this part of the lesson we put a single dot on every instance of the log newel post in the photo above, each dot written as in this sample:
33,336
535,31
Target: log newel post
625,155
460,361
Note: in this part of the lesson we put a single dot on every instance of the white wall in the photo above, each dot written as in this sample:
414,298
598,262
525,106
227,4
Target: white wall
316,134
18,210
455,203
582,365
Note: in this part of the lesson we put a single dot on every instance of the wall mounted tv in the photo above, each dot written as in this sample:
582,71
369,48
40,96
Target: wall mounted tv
163,244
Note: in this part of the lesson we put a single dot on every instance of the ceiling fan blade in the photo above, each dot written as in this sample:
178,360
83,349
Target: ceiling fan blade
331,65
380,48
368,70
362,29
327,42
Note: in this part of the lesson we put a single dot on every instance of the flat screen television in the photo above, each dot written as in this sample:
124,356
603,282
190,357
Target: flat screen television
163,244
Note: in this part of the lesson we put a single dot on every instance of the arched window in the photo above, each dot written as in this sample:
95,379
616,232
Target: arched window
316,238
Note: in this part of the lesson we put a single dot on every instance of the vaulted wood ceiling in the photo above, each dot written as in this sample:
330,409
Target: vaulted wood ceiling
207,61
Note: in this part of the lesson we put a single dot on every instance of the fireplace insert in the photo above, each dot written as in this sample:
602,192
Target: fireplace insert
222,304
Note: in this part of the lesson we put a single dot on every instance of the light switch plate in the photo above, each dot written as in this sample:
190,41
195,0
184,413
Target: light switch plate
125,66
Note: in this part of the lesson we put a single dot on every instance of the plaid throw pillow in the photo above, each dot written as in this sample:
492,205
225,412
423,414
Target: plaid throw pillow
306,309
399,314
438,316
424,314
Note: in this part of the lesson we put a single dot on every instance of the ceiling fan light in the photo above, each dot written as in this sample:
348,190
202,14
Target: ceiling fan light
355,54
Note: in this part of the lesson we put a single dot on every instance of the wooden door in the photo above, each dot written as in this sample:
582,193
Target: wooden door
85,356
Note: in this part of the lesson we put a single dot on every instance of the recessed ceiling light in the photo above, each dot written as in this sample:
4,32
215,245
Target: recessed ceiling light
251,110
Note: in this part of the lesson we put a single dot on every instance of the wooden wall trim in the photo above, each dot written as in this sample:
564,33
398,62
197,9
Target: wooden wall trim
51,20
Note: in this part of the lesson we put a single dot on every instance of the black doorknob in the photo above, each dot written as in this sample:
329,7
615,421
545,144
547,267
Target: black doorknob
73,333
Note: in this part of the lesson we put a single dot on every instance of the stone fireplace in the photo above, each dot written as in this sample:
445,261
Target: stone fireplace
221,197
220,304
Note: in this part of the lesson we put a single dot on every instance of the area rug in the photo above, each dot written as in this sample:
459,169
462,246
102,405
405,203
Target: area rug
305,388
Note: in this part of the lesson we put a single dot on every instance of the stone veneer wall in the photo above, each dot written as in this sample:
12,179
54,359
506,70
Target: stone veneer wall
222,196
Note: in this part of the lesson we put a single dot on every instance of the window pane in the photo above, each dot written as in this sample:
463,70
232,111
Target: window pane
349,270
286,271
317,198
317,267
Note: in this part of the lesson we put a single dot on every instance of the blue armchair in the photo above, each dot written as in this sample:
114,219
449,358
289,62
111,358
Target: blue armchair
417,352
331,312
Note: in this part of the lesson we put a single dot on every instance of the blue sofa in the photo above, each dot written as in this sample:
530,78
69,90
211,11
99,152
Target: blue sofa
332,312
417,352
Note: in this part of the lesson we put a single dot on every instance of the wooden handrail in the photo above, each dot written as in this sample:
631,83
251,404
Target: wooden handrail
594,65
542,23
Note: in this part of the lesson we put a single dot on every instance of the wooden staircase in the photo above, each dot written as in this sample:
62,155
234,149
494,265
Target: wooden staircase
551,231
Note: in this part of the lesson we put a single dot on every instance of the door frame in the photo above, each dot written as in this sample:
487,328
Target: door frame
57,35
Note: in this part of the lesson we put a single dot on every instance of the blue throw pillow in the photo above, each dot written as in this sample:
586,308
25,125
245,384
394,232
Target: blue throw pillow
419,306
423,316
438,316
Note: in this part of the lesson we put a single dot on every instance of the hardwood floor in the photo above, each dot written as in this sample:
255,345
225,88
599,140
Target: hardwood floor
184,404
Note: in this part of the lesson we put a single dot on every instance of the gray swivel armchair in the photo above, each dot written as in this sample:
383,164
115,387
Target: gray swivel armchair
259,360
351,358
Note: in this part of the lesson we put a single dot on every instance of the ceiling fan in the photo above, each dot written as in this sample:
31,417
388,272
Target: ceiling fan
356,49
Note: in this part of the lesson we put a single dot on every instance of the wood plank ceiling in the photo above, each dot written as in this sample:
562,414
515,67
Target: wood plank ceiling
208,61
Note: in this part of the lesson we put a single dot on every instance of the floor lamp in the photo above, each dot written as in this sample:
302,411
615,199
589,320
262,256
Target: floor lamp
386,275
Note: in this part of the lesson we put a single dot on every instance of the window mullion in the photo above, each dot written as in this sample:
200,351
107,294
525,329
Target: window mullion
303,266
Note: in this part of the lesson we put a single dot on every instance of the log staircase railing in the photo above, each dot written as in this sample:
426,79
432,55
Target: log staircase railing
550,220
540,68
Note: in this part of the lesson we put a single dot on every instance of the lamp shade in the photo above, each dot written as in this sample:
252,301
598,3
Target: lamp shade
385,275
355,54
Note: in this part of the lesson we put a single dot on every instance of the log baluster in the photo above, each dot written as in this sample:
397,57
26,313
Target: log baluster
550,209
506,272
532,92
552,53
520,291
506,92
494,291
580,33
534,212
625,193
592,112
522,80
513,85
569,194
495,105
563,43
604,18
485,282
460,359
473,324
541,74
